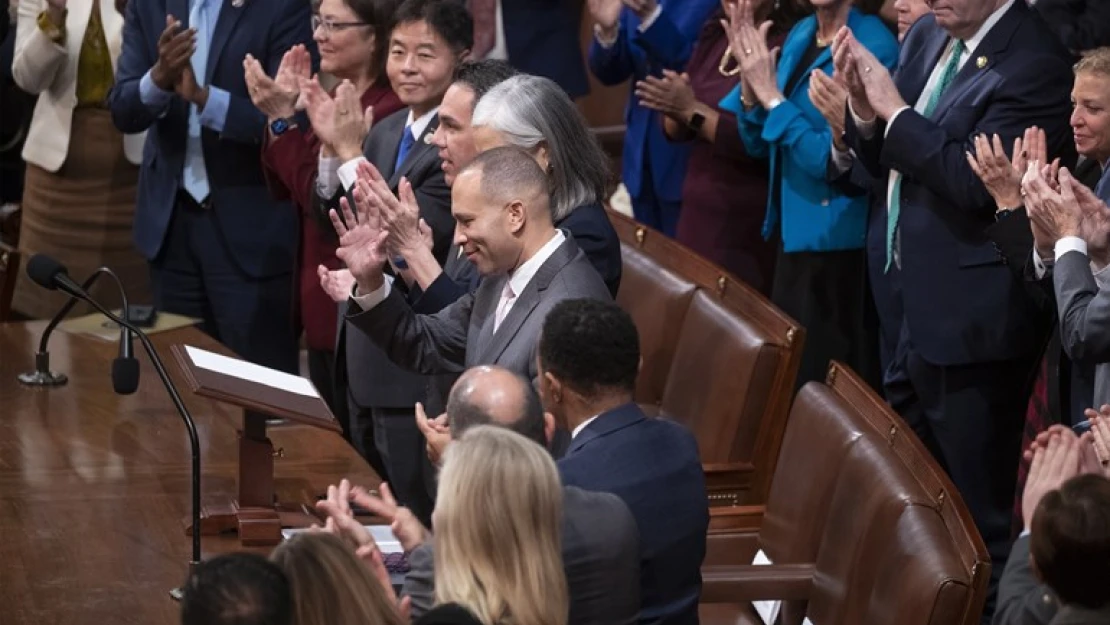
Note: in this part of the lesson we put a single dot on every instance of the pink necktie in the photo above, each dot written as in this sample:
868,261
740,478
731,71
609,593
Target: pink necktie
485,26
507,297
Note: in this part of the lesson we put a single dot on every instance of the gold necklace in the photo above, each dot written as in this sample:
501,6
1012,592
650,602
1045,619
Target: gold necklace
723,68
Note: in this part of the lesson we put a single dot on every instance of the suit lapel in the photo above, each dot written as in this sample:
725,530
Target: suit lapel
526,301
225,25
792,53
606,423
911,81
981,59
419,151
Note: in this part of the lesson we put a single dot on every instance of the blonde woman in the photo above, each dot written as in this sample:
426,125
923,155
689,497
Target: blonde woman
330,585
497,518
79,193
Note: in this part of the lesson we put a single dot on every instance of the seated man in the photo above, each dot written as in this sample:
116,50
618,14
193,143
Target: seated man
600,546
502,208
237,589
589,356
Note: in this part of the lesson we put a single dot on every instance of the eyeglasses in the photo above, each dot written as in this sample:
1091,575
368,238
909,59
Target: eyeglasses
332,27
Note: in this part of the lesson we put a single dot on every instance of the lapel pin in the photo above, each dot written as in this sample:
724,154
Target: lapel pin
427,138
981,62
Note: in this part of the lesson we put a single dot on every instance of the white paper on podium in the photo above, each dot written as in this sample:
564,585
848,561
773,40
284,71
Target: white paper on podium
251,372
768,610
383,536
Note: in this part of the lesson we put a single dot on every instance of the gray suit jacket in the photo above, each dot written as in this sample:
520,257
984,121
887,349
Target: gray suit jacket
370,378
1084,311
1071,615
1022,598
601,556
461,335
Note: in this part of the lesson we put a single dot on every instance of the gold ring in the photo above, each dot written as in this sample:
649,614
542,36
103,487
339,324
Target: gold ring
867,70
747,50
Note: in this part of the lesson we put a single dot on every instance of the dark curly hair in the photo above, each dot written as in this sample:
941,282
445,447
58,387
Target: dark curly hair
591,346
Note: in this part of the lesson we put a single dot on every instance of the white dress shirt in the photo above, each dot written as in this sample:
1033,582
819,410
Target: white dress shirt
518,279
582,426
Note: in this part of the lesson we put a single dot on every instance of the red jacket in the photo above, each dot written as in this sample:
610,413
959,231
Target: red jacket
290,162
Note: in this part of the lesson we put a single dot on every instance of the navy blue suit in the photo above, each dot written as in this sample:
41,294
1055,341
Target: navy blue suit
542,39
229,263
960,331
653,465
654,168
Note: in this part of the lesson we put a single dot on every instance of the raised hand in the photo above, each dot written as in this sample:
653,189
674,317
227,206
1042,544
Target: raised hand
361,238
277,97
187,87
882,93
830,96
336,283
402,522
1052,465
1056,212
749,48
1001,177
846,71
671,95
175,49
606,13
351,123
400,216
1095,227
436,432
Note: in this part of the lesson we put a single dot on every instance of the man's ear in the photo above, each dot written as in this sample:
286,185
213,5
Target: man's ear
518,215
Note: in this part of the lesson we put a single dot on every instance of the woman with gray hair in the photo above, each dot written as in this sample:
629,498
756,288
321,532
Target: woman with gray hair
535,114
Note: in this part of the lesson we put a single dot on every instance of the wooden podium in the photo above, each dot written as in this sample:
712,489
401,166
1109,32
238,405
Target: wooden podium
255,513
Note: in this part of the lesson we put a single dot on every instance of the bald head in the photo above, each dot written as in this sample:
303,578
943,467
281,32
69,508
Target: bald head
495,396
507,174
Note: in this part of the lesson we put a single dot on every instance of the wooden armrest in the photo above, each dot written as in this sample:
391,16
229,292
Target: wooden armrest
742,583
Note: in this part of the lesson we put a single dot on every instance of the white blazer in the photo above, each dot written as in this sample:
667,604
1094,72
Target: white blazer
48,70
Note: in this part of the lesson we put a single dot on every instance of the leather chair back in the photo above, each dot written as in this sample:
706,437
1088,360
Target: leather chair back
718,357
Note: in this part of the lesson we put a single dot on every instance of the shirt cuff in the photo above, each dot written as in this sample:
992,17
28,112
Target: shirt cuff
1102,278
152,96
1025,532
646,24
1041,265
602,41
348,172
1070,244
214,114
373,298
893,117
327,178
842,161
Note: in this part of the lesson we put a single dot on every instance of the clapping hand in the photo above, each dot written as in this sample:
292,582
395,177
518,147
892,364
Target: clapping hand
1100,438
175,51
671,95
277,97
1054,463
749,48
402,522
830,96
336,283
882,96
408,233
338,122
362,239
606,13
1000,176
1055,212
436,432
1095,227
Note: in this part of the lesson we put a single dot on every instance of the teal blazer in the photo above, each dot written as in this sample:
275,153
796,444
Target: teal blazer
811,213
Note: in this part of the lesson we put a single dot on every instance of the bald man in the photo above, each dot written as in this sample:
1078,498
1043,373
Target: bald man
601,548
502,209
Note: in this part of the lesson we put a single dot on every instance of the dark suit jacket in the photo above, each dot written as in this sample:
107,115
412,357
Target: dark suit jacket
1022,598
653,465
371,379
448,614
1084,318
542,39
1081,24
954,291
461,335
259,232
634,56
601,555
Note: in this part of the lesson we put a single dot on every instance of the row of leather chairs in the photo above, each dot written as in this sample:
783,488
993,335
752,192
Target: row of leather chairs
861,524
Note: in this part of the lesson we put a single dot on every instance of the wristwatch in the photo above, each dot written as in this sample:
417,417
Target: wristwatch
279,126
696,121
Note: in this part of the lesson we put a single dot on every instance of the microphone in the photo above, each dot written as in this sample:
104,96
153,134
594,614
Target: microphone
50,274
125,381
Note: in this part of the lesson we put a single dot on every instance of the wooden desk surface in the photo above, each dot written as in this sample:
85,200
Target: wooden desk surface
94,486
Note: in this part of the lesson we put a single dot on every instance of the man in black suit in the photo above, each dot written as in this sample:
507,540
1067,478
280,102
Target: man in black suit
600,541
429,40
966,329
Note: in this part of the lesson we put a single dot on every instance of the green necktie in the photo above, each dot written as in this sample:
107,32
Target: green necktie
947,75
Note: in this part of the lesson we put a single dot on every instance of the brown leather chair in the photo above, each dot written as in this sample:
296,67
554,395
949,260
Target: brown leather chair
878,535
718,357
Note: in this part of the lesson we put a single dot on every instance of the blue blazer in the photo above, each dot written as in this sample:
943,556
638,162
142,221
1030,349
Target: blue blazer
542,39
812,213
635,55
954,292
653,465
259,232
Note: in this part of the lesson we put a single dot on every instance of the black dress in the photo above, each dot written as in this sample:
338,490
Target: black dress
829,294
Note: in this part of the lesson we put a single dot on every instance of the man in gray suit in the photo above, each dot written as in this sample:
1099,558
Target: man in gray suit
502,209
600,540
